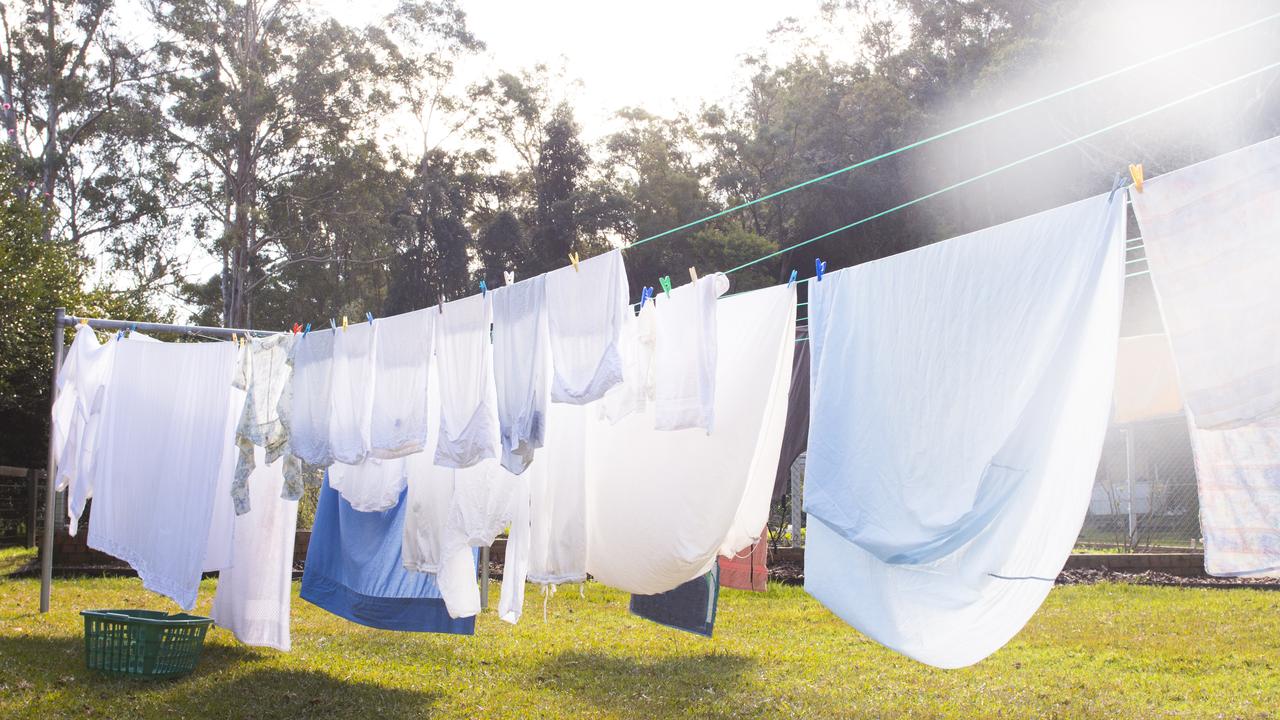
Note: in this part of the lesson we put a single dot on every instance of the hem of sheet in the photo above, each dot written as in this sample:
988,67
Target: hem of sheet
183,593
404,614
398,452
574,579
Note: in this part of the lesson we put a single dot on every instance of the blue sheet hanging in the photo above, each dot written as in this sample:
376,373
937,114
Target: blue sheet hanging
354,570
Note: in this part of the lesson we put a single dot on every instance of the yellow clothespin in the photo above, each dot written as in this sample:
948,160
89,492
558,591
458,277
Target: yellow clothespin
1135,172
84,321
573,258
344,322
693,275
235,339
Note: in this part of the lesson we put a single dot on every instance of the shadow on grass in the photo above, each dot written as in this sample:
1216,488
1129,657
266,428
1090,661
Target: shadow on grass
633,687
50,678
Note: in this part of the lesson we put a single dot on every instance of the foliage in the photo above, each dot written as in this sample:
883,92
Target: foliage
1100,651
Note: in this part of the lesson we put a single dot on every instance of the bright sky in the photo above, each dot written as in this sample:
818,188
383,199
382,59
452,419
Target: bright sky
662,55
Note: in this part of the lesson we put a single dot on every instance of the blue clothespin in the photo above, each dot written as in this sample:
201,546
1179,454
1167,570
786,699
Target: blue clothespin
484,288
369,316
665,282
792,280
819,267
646,292
133,328
333,324
306,330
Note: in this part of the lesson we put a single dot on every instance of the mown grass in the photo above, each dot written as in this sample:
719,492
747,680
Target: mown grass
1100,651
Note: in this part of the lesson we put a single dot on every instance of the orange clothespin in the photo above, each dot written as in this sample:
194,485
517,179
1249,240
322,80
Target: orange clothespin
84,321
693,274
1135,172
573,258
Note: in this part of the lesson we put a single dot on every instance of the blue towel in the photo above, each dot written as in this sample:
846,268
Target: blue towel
354,571
690,607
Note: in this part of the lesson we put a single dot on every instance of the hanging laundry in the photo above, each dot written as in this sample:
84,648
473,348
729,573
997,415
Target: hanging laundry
685,355
1210,232
796,436
521,369
164,433
586,308
661,505
468,400
263,374
81,379
305,405
691,607
960,395
221,544
354,570
558,497
1146,382
351,401
405,344
372,486
253,595
747,569
637,341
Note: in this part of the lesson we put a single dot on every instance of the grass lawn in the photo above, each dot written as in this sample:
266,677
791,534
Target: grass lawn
1100,651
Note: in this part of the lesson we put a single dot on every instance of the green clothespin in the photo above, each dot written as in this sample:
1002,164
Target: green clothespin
665,282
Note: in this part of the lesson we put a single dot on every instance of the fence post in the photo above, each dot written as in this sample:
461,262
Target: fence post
51,472
33,504
1129,470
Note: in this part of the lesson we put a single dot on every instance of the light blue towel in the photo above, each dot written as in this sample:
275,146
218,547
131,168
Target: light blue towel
354,570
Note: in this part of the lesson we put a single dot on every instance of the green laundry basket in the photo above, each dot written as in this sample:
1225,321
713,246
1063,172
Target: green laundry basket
145,644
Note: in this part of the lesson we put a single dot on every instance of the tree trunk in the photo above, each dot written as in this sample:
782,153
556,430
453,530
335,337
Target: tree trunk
49,161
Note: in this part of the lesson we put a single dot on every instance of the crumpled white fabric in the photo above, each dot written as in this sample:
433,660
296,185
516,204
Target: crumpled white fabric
81,383
520,368
661,505
1212,237
637,343
253,595
468,430
164,434
404,346
586,308
351,401
959,399
685,355
305,405
263,374
370,486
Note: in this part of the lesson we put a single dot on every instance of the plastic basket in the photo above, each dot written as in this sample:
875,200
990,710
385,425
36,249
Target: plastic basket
147,644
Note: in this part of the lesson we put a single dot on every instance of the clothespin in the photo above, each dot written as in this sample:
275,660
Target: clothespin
646,292
296,327
792,280
573,259
441,305
484,288
133,328
306,330
84,321
1135,172
369,316
333,325
693,274
235,339
819,267
665,282
344,322
509,277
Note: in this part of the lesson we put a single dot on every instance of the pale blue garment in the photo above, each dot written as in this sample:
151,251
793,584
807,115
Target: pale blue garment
959,398
354,570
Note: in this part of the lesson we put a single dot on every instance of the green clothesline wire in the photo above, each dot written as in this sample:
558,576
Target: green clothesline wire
1079,86
1006,166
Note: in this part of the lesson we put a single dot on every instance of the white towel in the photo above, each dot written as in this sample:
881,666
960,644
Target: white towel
464,357
685,355
1212,238
521,369
586,308
960,396
253,595
404,346
164,433
661,505
306,401
351,401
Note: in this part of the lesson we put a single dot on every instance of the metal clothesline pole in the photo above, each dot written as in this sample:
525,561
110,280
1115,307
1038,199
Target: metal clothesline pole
62,321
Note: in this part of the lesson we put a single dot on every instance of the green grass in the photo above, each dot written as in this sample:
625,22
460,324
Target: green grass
1099,651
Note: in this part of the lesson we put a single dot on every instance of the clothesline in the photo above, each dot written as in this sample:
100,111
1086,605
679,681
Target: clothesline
919,143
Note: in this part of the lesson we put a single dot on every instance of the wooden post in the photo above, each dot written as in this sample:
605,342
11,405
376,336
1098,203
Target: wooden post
484,578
